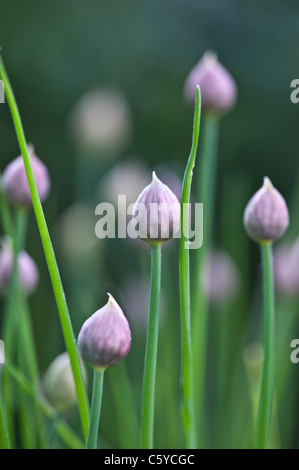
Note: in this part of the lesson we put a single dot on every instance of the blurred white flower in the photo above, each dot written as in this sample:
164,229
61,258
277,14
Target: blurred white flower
101,121
75,232
58,383
126,178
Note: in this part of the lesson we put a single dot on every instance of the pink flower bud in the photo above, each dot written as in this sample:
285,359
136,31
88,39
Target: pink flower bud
266,216
220,277
105,338
15,183
286,269
157,211
27,270
217,86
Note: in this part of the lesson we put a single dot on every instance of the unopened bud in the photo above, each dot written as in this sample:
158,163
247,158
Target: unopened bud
105,338
27,270
266,216
15,184
157,211
217,86
58,383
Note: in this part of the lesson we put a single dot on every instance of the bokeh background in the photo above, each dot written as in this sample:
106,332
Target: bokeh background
56,52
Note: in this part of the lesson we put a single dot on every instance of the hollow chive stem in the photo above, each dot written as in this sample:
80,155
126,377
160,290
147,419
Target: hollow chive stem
188,405
4,437
149,378
50,257
266,393
205,195
95,412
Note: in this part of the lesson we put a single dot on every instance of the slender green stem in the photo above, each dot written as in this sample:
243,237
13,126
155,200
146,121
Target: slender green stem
5,213
4,437
11,330
188,411
50,258
205,195
149,377
61,427
127,416
266,395
95,413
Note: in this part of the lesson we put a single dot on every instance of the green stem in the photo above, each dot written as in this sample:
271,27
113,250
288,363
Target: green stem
50,258
206,194
149,378
127,417
11,329
188,411
266,394
61,427
95,413
4,438
5,212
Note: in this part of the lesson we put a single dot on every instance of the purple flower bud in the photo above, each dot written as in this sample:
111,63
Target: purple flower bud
58,383
266,216
27,270
286,269
217,86
15,184
220,277
157,211
105,338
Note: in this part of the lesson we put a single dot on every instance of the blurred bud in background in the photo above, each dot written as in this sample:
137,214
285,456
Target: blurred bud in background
81,254
75,233
15,184
217,86
101,122
2,356
286,268
28,274
220,277
126,178
58,383
136,293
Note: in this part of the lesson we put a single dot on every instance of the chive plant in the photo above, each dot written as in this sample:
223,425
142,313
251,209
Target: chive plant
49,254
104,340
218,96
188,406
266,218
157,212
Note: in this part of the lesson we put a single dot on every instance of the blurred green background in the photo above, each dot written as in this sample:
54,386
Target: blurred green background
57,51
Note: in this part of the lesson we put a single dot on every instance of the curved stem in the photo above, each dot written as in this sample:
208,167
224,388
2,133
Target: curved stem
50,257
95,412
149,378
266,394
188,412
